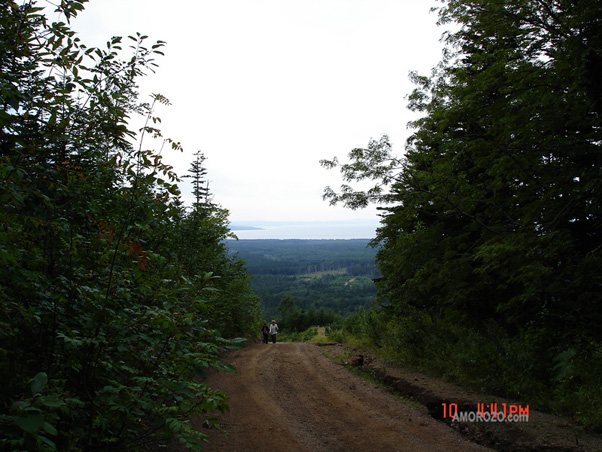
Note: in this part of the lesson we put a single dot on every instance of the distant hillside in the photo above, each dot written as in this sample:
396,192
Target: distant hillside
330,274
294,257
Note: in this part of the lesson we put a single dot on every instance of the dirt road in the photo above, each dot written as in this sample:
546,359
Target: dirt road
292,398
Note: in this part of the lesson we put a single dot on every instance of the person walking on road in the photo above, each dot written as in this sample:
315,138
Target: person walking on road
273,331
265,330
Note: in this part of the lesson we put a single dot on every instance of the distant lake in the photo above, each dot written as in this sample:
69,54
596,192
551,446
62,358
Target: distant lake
361,229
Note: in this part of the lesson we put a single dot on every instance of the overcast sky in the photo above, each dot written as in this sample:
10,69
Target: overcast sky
267,88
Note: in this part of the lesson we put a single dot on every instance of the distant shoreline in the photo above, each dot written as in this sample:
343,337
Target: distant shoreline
316,230
245,228
357,239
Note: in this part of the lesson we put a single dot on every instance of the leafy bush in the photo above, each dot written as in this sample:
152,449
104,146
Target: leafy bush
527,367
105,326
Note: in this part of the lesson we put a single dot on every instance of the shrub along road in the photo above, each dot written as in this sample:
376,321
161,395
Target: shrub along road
291,397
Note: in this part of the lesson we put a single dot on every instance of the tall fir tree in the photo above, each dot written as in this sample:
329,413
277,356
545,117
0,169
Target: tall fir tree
493,214
200,184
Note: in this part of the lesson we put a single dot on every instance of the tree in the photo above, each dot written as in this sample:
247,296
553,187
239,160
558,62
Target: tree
493,214
500,184
233,307
200,185
377,163
103,335
287,306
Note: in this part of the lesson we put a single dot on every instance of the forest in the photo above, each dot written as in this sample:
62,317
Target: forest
115,297
334,276
491,232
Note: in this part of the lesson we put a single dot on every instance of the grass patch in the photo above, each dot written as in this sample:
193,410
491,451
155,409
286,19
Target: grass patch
303,336
313,334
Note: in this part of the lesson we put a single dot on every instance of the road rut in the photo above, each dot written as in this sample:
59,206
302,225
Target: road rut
289,397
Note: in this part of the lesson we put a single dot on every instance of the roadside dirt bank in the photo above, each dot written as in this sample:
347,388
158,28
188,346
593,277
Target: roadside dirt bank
304,397
542,433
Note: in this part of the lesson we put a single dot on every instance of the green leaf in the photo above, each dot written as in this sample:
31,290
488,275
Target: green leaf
47,441
33,423
50,429
52,402
237,343
38,383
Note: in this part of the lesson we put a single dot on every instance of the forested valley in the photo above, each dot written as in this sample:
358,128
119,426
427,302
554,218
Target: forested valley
309,282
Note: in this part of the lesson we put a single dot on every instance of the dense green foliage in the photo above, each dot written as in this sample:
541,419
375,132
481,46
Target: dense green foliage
297,257
293,319
114,298
491,238
322,276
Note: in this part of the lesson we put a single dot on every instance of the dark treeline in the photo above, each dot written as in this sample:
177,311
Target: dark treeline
332,275
114,297
294,319
297,257
334,292
491,237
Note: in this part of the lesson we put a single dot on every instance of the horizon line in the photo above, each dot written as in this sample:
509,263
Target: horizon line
282,222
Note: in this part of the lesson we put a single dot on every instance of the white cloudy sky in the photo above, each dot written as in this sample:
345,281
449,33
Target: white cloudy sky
267,88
